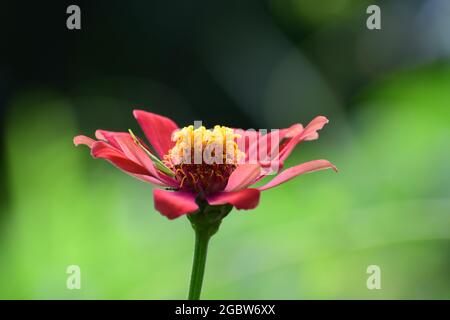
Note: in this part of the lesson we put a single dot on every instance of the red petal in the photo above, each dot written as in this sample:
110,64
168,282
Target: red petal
243,176
157,129
103,150
135,153
243,199
292,172
173,204
125,143
110,137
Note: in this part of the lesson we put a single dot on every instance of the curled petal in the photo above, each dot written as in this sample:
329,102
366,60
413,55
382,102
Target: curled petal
243,176
243,199
173,204
157,129
271,144
266,147
292,131
83,140
292,172
274,146
309,133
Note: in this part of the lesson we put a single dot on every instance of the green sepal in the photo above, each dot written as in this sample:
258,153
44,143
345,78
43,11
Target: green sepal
208,218
158,163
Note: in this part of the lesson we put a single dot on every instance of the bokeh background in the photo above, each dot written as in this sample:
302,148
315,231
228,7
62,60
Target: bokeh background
257,64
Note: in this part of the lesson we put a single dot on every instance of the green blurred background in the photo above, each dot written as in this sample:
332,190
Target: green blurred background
258,64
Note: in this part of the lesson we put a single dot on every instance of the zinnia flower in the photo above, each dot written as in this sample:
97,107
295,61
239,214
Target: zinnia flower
216,183
204,172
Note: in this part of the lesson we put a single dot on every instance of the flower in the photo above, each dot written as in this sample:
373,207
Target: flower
198,165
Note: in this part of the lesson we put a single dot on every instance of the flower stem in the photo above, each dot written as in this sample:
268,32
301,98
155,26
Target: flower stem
198,265
205,223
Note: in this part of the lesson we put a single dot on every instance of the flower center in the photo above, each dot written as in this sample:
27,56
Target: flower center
203,159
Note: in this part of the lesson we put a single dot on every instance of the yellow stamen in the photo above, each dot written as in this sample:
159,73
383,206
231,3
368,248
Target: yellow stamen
203,159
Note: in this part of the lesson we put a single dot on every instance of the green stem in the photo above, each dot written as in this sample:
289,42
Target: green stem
205,223
198,265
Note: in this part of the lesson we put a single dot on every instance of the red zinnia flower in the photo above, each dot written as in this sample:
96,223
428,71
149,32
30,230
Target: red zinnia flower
215,183
206,172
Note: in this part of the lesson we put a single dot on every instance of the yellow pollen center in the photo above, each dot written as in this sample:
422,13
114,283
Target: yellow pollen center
203,159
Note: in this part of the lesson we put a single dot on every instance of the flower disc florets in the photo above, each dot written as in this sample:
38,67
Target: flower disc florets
203,159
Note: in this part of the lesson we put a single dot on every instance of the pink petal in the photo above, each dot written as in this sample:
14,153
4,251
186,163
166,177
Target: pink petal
173,204
243,199
116,157
83,140
103,150
150,179
125,143
157,129
265,149
309,133
243,176
267,144
292,172
110,137
246,139
120,150
135,153
292,131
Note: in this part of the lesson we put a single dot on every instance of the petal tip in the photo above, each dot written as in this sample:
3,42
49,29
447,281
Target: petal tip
99,134
321,119
77,140
330,165
137,113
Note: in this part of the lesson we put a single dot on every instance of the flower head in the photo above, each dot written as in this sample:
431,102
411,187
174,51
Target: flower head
203,159
215,166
